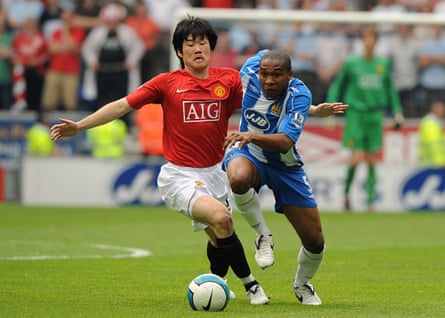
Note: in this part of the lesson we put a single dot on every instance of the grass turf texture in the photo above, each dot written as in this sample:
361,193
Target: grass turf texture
376,265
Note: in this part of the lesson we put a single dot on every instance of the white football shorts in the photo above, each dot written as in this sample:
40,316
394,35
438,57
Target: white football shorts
180,187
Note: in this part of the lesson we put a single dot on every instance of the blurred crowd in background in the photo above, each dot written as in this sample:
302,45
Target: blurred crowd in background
77,55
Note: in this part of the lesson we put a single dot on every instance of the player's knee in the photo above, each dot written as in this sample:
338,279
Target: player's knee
239,183
222,224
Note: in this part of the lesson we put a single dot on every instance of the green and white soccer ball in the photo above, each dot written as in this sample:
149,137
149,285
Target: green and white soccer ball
208,292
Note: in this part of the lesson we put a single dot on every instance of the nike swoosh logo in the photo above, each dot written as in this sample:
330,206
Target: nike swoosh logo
207,307
181,90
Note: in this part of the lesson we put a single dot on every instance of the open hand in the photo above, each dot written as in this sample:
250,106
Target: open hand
67,128
328,109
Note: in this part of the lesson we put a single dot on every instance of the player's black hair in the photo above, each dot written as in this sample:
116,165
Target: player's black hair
284,58
197,28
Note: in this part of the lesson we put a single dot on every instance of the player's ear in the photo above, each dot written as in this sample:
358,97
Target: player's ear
291,74
179,54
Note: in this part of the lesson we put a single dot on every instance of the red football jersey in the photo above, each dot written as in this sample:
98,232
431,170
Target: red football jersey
196,113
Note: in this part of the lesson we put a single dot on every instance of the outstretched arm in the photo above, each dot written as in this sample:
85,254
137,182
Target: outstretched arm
105,114
328,109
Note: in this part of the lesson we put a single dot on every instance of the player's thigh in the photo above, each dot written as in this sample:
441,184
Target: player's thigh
353,132
241,167
374,132
181,188
291,187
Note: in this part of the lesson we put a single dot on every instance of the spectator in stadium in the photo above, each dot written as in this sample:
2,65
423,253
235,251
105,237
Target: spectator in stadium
87,14
149,129
387,31
148,30
431,60
405,69
5,64
432,138
213,4
63,74
20,11
162,13
365,84
224,55
300,44
38,138
30,51
191,181
328,39
275,106
108,141
112,52
51,17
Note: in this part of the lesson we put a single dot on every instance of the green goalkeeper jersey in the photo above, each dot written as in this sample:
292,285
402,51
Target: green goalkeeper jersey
365,85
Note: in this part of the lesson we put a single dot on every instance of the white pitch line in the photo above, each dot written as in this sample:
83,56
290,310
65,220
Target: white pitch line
130,253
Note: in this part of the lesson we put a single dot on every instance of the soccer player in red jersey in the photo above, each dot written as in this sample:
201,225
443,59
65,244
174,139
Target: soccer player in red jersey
197,102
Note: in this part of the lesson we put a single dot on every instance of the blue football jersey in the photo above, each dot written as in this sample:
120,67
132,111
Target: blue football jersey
269,116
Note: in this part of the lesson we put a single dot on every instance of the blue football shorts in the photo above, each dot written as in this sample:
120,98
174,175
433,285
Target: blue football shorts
290,185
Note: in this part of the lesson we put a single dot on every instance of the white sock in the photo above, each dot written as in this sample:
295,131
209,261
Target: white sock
247,280
249,206
308,264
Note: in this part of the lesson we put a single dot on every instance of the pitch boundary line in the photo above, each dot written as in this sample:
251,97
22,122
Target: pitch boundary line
126,252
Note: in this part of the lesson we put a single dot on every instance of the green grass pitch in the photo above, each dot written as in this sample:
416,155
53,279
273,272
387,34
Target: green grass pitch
84,262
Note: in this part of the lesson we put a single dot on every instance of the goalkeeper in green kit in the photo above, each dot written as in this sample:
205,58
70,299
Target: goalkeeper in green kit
364,82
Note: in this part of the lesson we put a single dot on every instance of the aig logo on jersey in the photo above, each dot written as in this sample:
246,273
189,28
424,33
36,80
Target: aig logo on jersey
256,119
199,111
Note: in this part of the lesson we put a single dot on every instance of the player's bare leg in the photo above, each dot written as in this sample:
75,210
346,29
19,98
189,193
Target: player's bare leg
307,224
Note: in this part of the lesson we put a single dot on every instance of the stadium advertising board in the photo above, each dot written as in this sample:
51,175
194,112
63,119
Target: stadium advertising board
402,185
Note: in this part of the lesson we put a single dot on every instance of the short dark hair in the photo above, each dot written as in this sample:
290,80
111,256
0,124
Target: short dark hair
197,28
284,58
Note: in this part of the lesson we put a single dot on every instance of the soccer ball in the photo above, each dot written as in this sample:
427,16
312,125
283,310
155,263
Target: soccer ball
208,292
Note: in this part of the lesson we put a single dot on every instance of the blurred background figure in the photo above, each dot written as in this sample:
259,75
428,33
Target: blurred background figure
38,138
147,29
405,70
149,123
108,141
299,42
332,48
51,17
5,64
224,55
30,54
20,11
63,74
162,13
365,84
432,138
431,61
112,52
87,14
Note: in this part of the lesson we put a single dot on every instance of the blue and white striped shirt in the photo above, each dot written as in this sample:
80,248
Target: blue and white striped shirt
269,116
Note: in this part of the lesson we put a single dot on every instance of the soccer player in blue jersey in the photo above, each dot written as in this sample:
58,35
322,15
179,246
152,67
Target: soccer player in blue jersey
275,107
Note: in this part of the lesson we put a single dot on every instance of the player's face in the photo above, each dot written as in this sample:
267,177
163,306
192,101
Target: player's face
274,79
369,41
195,54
